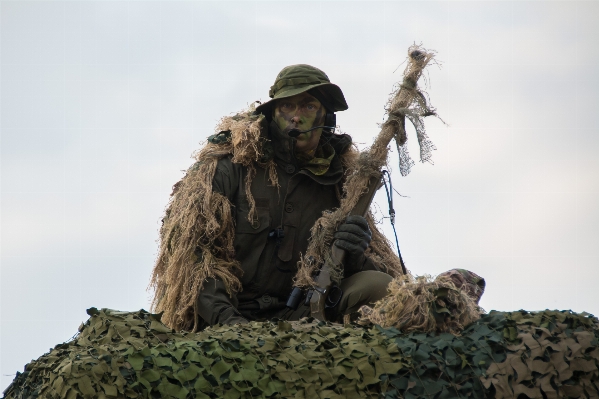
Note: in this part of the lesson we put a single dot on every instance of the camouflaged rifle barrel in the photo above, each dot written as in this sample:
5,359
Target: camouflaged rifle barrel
367,178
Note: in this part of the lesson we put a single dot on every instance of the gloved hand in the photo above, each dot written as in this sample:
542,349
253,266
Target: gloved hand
353,236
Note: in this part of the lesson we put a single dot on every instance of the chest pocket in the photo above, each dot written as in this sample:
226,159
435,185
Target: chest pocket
261,220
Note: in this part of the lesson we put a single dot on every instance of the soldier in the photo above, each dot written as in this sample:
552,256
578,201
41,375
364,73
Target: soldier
242,216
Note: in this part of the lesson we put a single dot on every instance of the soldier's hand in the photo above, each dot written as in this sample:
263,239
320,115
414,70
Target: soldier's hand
353,236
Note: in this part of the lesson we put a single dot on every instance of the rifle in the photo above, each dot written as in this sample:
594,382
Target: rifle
406,100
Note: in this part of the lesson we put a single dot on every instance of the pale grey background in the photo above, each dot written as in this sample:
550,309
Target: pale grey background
102,104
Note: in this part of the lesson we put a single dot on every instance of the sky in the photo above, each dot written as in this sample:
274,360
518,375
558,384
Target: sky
103,103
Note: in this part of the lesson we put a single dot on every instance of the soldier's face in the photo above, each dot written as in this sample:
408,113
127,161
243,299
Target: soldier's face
300,112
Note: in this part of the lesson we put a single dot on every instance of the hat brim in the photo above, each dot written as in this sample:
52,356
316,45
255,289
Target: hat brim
336,98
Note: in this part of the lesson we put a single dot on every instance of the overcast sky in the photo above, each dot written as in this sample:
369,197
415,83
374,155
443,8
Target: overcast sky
103,103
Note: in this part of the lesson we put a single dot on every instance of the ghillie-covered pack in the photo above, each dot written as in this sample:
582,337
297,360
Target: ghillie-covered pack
424,304
547,354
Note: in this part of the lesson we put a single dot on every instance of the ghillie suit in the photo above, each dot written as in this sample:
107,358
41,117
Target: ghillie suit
548,354
198,231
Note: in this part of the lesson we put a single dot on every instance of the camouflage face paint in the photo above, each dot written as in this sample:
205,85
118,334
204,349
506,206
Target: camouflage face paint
300,112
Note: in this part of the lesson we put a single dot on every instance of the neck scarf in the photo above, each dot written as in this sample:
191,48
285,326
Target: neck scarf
319,162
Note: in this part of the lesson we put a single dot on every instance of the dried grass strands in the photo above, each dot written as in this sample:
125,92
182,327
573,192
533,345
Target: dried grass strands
368,166
196,238
425,305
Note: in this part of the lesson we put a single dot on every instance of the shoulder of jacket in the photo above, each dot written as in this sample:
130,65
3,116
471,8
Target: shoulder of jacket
226,164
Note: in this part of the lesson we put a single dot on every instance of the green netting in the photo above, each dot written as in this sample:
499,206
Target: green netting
133,355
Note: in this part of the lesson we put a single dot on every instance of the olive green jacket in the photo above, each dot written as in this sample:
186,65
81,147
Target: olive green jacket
269,260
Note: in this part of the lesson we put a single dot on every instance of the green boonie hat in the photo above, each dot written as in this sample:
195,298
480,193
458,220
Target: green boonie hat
296,79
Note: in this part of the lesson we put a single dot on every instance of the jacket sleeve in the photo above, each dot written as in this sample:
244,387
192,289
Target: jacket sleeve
214,304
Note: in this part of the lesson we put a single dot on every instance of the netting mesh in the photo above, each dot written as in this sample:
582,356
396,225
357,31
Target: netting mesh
405,161
416,110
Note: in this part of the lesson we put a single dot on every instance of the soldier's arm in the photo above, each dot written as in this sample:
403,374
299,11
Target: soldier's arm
214,304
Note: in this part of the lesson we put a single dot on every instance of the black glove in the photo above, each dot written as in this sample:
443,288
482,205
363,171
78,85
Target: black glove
353,236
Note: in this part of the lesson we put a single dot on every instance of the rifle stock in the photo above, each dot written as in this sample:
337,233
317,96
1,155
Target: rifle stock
323,282
392,128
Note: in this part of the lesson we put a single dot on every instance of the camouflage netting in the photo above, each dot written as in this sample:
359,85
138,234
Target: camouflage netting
549,354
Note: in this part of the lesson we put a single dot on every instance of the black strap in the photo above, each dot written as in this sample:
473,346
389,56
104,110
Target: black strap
389,191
